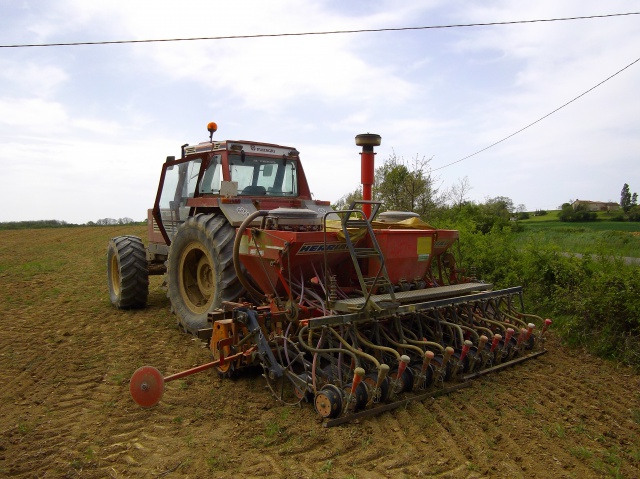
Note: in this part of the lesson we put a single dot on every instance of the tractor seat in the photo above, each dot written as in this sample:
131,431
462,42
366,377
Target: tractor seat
254,191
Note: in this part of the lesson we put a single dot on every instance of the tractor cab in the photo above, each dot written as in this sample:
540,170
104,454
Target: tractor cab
251,174
232,177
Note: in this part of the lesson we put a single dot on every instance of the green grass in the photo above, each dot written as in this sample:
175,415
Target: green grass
327,466
627,226
272,429
604,222
549,217
602,218
554,430
529,410
581,453
24,428
217,462
600,237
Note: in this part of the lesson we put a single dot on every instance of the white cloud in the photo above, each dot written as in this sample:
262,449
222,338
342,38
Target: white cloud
31,78
95,125
32,114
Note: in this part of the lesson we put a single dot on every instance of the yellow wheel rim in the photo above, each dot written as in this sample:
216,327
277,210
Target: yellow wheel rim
196,278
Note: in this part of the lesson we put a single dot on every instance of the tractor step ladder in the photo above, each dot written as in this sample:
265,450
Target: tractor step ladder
377,279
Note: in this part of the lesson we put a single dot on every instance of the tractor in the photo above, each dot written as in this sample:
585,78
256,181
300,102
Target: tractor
356,310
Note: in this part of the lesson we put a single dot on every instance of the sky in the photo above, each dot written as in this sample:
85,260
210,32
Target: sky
84,130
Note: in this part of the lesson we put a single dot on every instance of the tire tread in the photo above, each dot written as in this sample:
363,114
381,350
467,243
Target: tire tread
134,275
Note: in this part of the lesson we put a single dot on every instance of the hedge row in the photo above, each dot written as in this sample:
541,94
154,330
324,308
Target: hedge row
594,300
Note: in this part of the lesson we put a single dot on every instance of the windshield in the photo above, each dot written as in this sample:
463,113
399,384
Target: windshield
258,176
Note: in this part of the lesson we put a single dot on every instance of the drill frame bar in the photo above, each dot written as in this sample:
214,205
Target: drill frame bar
509,363
394,308
438,292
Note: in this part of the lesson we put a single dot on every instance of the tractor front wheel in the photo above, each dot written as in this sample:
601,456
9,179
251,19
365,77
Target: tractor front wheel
127,273
200,270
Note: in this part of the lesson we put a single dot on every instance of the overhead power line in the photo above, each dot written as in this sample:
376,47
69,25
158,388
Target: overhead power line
539,119
333,32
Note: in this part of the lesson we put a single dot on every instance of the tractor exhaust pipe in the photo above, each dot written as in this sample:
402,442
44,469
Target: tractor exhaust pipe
367,166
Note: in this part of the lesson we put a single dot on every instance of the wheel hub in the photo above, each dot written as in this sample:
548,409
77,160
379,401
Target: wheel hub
205,276
196,282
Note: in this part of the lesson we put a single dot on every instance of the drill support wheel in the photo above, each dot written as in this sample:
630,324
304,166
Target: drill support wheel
328,401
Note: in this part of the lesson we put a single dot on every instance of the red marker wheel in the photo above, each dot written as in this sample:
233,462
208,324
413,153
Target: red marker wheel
146,386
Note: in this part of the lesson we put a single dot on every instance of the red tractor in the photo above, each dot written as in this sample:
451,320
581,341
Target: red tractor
354,310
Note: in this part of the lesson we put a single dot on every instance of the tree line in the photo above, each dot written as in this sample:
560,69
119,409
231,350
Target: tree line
38,224
403,185
410,186
111,221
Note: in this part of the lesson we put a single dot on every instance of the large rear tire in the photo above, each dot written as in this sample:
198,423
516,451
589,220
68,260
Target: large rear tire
200,270
127,273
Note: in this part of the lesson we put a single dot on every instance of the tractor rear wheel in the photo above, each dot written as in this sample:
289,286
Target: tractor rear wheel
200,271
127,273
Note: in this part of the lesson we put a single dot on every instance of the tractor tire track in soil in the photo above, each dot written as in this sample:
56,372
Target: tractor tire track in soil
66,357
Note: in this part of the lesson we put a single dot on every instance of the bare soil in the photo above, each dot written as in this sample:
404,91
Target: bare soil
66,356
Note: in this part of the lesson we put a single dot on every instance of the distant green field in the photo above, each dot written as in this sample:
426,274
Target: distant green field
550,220
550,216
619,238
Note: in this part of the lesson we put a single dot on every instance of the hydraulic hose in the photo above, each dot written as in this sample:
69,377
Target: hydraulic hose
236,255
311,349
354,350
411,347
387,349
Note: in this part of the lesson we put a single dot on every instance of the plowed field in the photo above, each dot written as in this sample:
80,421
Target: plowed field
66,357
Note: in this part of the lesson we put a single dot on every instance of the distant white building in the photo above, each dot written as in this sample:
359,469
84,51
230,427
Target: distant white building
596,205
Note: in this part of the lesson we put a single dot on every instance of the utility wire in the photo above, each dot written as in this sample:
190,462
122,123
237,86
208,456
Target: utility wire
334,32
539,119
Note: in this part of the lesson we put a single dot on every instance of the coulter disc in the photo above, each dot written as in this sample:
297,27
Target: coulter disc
146,386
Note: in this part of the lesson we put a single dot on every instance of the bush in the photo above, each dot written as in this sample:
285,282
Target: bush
587,216
594,300
492,255
634,214
605,315
579,214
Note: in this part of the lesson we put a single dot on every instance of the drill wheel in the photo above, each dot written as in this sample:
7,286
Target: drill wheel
328,401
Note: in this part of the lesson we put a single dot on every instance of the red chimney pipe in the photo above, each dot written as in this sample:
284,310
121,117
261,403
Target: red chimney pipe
367,166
